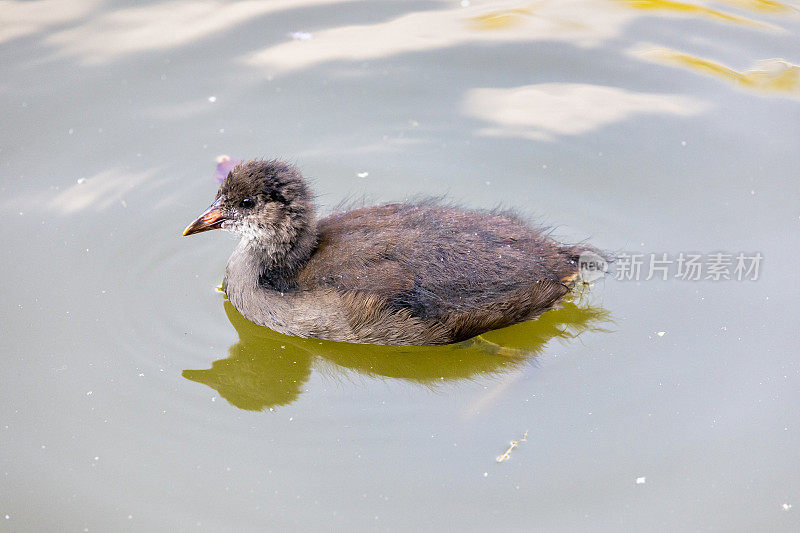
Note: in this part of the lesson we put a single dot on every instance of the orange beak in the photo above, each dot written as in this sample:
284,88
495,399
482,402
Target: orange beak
212,218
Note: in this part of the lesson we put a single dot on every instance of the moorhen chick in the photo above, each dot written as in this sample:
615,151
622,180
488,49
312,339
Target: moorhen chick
403,273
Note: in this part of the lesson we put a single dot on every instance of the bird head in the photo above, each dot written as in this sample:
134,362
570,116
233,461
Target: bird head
259,200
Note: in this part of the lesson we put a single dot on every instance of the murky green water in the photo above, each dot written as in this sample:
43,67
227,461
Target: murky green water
134,398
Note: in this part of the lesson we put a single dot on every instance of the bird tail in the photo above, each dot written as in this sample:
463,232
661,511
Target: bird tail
584,263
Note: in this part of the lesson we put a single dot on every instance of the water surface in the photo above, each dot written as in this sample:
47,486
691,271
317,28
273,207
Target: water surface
134,398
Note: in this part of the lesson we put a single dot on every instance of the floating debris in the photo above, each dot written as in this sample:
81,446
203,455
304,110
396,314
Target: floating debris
362,174
786,506
224,165
513,444
641,480
302,36
661,333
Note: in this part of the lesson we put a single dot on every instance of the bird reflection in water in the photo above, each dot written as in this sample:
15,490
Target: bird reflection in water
266,369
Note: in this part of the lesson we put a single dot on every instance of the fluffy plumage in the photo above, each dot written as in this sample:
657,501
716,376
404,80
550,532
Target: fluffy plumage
388,274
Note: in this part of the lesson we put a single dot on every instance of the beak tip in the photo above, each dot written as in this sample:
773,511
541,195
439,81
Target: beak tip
212,218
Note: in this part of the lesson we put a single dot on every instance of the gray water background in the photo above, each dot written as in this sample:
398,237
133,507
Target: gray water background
645,127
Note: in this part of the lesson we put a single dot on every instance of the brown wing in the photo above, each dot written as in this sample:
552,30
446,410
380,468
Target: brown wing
468,271
524,304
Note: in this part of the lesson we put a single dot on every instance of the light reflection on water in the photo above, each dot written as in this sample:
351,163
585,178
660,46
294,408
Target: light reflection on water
769,76
544,111
654,125
693,9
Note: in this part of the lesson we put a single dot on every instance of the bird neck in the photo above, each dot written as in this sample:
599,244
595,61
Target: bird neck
265,304
273,261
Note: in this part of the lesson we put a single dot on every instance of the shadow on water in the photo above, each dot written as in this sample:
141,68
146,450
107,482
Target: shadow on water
267,369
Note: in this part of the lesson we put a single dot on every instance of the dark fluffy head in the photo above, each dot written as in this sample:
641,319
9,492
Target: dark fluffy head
265,201
271,207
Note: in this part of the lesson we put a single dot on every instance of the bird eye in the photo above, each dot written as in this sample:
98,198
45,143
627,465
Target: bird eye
247,203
